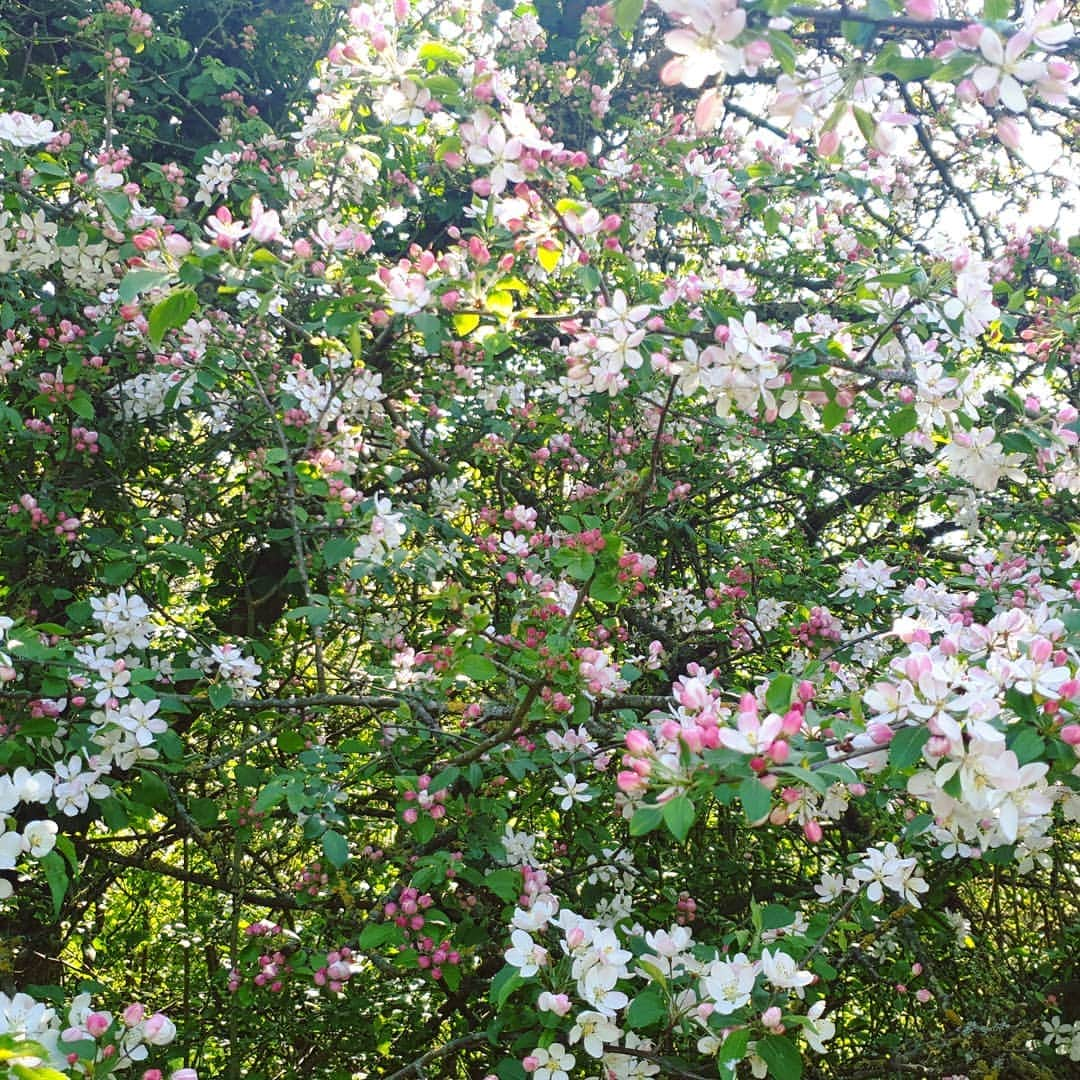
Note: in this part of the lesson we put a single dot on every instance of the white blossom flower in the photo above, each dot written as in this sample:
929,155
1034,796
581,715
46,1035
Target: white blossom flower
817,1031
18,129
554,1063
593,1030
525,954
520,848
729,983
572,790
39,837
1004,71
783,972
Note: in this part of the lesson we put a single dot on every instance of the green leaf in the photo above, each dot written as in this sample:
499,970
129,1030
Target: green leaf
734,1048
478,668
312,614
1000,856
510,1069
138,281
220,695
505,884
956,67
291,742
1026,744
859,34
57,877
503,985
116,573
838,771
756,799
337,550
865,122
269,797
204,811
627,13
81,405
451,975
778,696
832,414
812,779
436,51
901,422
444,778
780,1054
443,86
645,819
171,312
996,10
581,566
150,790
906,746
679,816
605,588
375,934
890,61
119,205
776,916
37,1072
646,1008
433,331
335,847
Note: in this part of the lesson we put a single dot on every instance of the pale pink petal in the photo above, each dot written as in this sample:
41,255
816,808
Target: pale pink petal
1012,97
991,47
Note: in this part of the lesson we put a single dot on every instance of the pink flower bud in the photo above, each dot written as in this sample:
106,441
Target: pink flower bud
1070,734
779,751
772,1016
967,91
937,746
1069,689
1009,133
921,9
882,734
757,52
1040,650
98,1023
829,143
793,722
813,832
710,105
146,240
133,1014
159,1030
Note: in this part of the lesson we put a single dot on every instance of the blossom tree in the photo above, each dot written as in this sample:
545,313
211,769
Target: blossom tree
540,540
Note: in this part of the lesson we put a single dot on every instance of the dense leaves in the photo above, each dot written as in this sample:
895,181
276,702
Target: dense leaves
540,541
